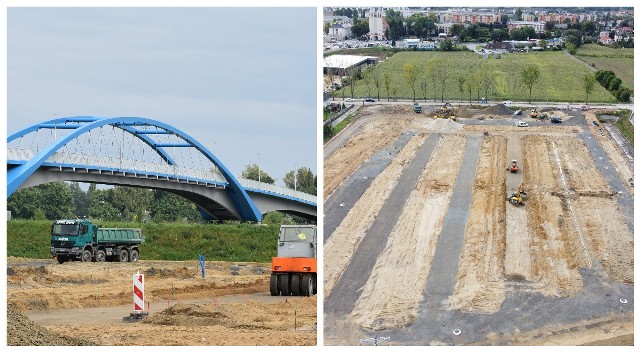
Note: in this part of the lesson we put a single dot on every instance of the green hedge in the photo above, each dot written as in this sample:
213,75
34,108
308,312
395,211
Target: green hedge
226,242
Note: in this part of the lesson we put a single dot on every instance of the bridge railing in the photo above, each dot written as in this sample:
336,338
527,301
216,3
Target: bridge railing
117,164
246,183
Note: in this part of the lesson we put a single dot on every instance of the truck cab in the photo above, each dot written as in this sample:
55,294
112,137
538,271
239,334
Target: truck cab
70,237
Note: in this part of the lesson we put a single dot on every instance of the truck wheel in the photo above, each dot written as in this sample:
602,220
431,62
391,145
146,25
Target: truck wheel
273,285
100,256
124,256
307,285
86,256
295,284
284,285
61,259
133,256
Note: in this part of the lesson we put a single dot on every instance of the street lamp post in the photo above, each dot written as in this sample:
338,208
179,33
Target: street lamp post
295,177
258,167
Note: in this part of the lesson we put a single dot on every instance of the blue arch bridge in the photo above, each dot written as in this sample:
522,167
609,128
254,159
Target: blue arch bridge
140,152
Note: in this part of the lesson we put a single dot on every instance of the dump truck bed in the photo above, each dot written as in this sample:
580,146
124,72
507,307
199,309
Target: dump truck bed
113,235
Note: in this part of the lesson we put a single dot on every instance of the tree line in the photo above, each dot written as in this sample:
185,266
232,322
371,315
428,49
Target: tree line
64,200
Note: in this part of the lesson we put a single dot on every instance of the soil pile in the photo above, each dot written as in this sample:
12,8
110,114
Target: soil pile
23,332
499,109
438,125
189,315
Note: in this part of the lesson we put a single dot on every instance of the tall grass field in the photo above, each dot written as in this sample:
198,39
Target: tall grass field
561,77
620,61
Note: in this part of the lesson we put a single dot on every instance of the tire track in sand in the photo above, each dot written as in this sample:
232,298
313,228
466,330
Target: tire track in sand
556,252
344,241
405,262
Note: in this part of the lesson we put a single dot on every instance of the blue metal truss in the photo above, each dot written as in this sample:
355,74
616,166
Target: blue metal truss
82,124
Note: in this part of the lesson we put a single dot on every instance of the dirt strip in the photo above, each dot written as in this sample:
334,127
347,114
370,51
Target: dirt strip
373,137
406,259
344,241
480,282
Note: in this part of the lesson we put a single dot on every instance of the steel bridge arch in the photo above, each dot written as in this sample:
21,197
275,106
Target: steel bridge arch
16,176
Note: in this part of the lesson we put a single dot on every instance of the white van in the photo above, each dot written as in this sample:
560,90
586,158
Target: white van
522,124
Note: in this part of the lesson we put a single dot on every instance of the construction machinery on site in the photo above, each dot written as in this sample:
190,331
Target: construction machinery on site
294,270
537,115
518,197
446,111
513,167
417,108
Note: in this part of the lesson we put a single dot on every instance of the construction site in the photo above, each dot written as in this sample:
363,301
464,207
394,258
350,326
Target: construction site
448,225
76,303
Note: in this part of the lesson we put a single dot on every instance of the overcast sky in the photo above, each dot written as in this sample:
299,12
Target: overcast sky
242,81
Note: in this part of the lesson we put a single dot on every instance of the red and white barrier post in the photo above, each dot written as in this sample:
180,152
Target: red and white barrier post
138,293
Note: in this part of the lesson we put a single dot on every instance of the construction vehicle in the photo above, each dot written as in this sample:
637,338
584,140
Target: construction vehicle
294,270
513,167
519,196
446,111
417,108
534,113
82,240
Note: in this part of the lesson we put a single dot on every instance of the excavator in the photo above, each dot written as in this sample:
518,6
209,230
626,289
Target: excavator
447,111
535,115
519,196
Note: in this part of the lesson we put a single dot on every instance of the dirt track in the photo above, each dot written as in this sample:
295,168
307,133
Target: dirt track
572,224
230,306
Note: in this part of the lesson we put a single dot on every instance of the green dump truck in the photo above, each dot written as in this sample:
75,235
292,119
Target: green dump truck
83,240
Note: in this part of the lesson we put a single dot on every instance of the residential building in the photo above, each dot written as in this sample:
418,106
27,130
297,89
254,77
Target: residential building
537,26
339,32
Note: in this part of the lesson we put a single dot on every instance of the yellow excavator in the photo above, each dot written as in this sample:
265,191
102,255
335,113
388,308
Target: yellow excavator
447,111
519,196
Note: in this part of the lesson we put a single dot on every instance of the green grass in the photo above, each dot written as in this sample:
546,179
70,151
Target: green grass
625,126
560,76
226,242
620,61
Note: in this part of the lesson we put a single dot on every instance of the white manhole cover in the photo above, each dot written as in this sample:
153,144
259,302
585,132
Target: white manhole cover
623,301
457,332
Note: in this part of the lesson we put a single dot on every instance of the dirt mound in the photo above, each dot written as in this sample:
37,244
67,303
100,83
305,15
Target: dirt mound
23,332
438,124
189,315
498,109
465,113
182,273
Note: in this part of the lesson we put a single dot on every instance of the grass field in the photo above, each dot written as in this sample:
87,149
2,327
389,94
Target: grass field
227,242
620,61
560,77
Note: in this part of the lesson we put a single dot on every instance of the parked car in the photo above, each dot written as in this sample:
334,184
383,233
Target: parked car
595,123
556,119
369,100
517,112
349,100
522,124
